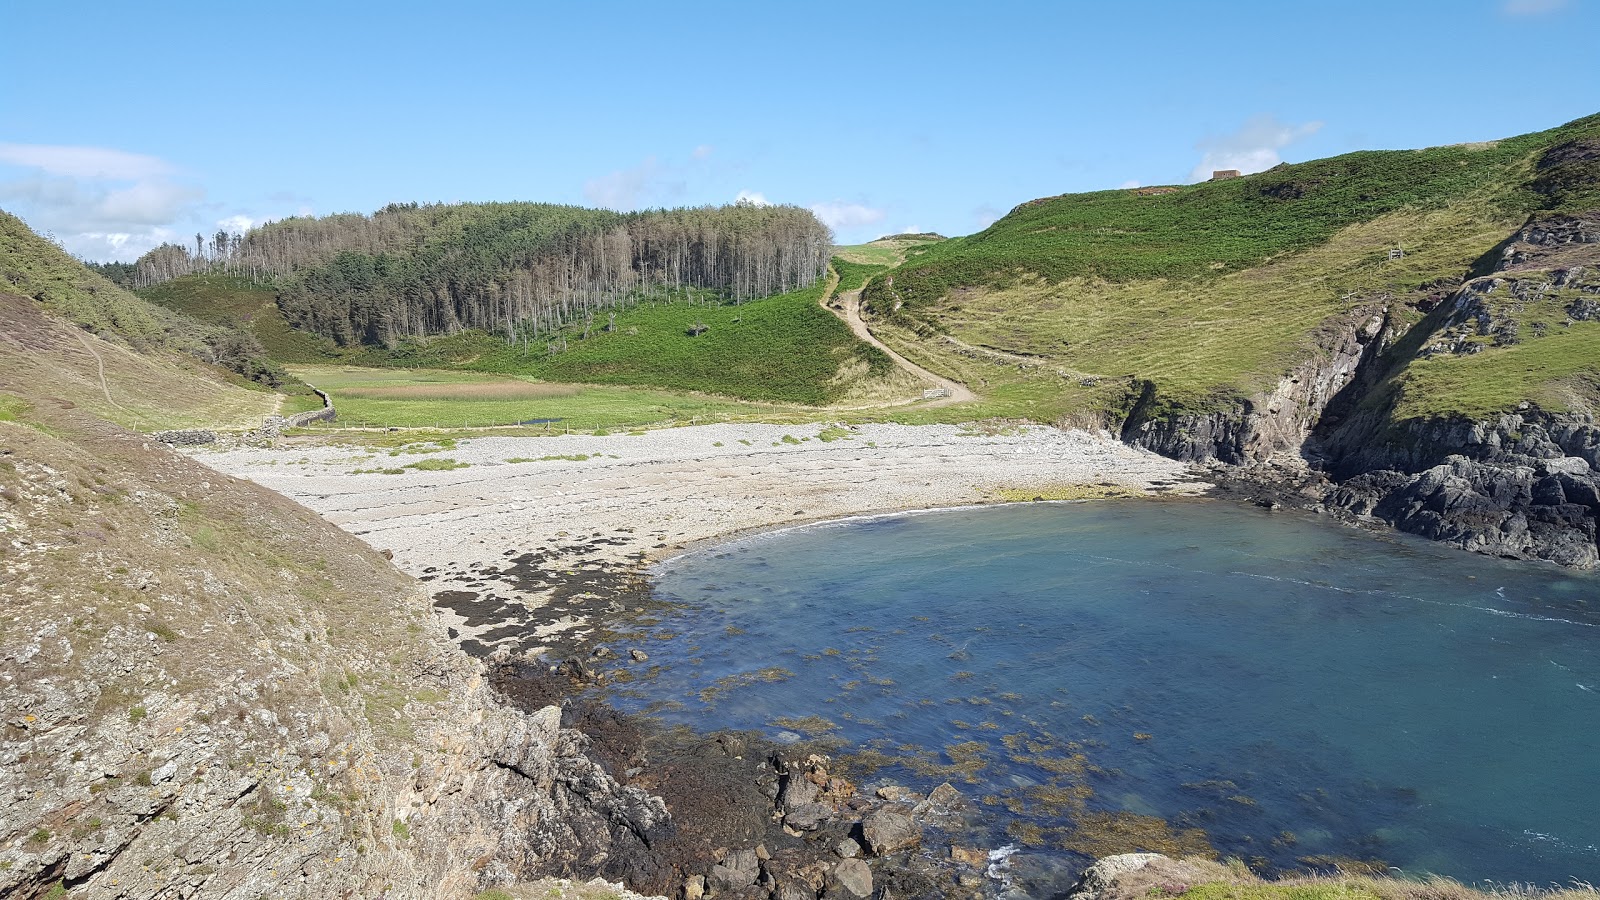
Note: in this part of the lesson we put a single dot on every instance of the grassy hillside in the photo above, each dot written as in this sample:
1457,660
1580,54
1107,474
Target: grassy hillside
235,302
780,349
1213,291
76,339
39,270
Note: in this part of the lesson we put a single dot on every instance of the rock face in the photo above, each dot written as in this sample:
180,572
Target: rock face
195,704
1253,429
1520,484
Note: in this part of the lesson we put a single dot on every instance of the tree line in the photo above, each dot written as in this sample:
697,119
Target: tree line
515,269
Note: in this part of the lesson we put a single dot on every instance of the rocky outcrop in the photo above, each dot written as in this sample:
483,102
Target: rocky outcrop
1134,876
1240,430
192,706
1519,484
1522,487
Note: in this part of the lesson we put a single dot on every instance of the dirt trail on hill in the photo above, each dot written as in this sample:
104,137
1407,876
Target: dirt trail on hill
850,314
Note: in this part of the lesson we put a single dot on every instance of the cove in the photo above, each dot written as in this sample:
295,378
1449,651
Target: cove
1097,677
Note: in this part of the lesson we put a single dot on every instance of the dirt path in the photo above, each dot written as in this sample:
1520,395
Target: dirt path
100,365
850,314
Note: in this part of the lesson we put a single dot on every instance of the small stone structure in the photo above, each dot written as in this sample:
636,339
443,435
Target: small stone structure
186,437
1225,174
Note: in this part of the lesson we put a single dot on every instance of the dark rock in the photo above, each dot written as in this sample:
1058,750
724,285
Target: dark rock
808,816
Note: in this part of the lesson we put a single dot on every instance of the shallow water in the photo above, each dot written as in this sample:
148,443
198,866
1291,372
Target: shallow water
1294,689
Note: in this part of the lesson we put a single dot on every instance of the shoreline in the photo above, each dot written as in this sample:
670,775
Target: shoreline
527,543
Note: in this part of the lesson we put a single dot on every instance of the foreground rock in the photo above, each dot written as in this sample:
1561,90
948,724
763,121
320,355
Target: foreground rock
208,692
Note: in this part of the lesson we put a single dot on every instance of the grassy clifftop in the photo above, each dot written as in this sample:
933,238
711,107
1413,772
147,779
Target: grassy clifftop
1214,291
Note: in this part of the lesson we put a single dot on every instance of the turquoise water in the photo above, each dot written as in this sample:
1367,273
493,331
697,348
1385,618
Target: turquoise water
1294,689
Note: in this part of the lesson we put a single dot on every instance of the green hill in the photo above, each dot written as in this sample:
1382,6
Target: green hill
73,337
1212,292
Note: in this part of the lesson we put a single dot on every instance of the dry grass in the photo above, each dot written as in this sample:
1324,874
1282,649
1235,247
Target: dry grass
1201,879
1239,332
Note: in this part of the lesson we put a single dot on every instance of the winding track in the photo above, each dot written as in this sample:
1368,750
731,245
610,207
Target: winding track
850,314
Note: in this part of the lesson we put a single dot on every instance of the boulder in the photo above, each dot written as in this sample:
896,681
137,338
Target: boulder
888,830
849,879
1106,870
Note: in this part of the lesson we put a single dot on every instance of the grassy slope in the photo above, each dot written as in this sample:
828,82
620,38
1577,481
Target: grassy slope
228,300
1213,290
149,383
782,349
37,269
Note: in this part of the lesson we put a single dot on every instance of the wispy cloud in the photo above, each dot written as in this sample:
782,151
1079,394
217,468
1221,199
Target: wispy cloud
654,181
841,215
1252,148
1533,7
83,162
986,215
624,188
99,203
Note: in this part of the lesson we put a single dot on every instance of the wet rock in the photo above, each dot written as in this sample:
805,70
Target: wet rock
887,830
851,878
969,856
638,655
603,652
943,802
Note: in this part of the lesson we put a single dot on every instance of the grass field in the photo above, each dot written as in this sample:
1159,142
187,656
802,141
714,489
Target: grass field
884,252
445,400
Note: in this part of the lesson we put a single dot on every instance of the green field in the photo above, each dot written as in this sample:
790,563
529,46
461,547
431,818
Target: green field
446,400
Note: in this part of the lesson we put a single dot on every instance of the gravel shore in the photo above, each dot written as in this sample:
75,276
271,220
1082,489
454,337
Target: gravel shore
525,509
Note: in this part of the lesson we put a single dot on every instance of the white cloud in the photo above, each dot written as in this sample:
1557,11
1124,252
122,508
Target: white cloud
97,202
623,188
83,162
1126,185
839,215
651,181
986,215
754,198
1253,148
911,229
236,224
1532,7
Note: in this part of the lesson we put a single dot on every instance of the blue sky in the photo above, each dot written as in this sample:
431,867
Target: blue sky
122,125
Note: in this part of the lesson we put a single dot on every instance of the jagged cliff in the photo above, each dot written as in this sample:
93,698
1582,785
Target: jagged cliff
1522,483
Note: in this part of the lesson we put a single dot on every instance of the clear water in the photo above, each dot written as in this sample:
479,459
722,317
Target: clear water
1296,690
